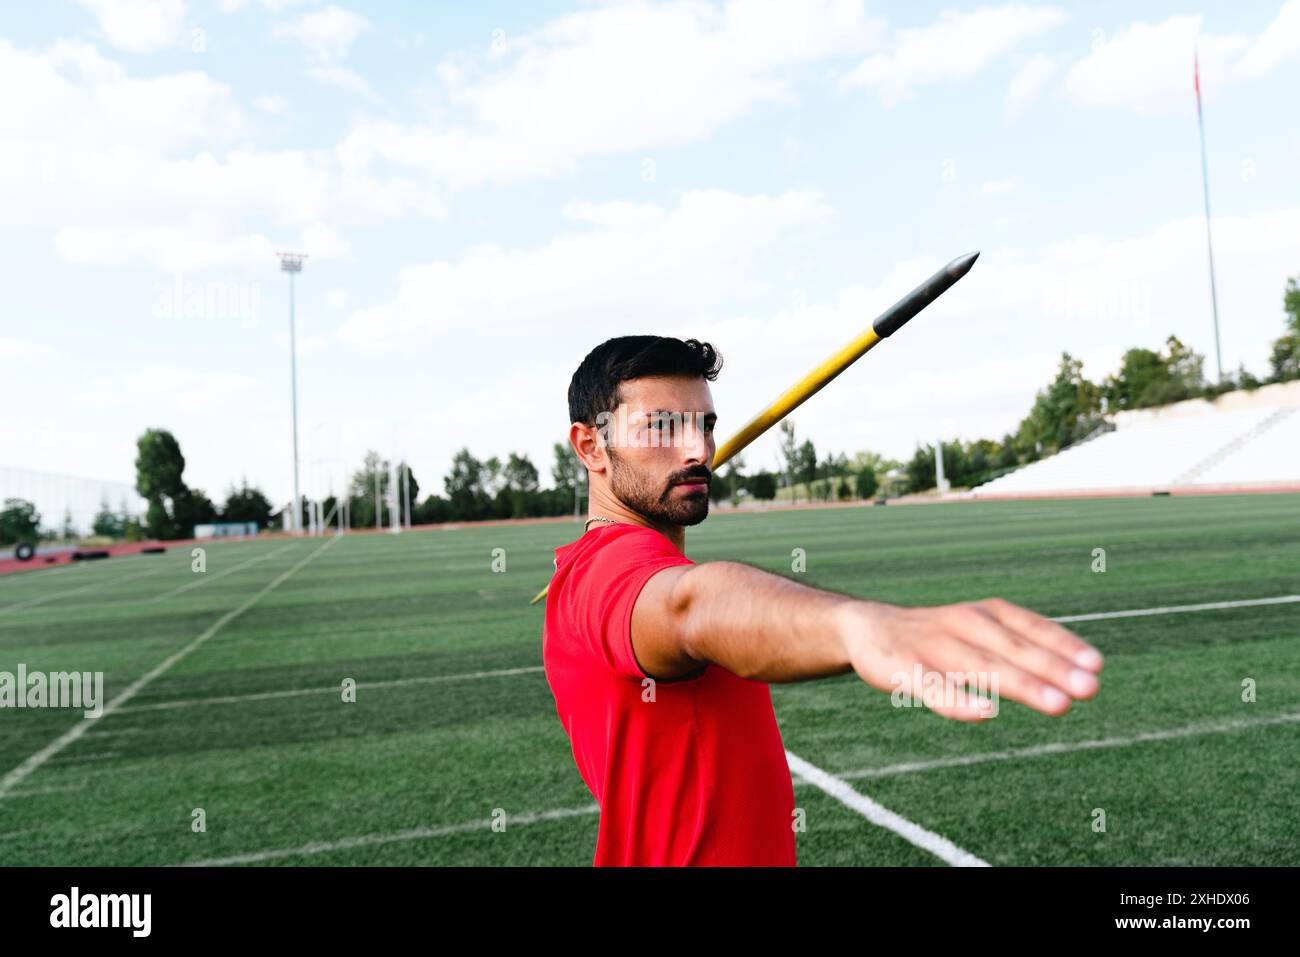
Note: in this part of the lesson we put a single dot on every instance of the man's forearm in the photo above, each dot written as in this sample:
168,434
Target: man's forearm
767,628
759,625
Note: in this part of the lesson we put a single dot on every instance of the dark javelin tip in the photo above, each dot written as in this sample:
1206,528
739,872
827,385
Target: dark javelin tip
961,265
893,319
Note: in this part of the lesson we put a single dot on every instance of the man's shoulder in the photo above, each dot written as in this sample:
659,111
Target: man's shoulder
617,544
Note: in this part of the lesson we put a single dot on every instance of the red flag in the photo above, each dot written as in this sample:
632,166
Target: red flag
1196,76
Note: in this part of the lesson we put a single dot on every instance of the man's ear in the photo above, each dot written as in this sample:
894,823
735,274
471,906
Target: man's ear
586,442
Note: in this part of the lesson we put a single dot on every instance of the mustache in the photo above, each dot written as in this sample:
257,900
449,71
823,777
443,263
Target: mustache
704,476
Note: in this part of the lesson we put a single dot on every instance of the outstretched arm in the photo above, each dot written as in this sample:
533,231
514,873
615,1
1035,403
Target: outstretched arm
768,628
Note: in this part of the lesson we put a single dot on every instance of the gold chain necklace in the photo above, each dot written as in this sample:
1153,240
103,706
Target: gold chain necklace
599,518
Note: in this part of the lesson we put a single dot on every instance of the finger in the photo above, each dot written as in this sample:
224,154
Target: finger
950,654
1045,632
950,699
981,627
964,705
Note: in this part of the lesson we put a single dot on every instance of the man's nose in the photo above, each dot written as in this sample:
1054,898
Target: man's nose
695,443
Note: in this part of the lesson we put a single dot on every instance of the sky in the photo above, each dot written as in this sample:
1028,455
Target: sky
487,191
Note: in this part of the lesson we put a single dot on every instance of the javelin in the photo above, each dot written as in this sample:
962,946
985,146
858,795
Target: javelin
886,324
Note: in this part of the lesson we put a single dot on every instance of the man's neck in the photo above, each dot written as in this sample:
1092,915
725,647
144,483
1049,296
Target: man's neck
606,506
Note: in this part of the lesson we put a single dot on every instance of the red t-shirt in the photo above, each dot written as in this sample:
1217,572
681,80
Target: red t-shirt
698,775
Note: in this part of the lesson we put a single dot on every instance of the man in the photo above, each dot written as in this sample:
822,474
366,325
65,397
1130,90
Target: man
660,667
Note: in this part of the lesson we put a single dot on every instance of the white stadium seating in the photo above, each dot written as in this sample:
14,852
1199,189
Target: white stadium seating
1245,439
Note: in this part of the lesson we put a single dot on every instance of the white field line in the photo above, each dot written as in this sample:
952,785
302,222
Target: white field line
42,599
1070,747
21,576
331,689
202,579
881,816
1177,609
20,773
37,792
371,840
74,760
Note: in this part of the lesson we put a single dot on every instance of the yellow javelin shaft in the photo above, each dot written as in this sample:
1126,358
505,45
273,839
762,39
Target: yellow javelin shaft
886,324
795,396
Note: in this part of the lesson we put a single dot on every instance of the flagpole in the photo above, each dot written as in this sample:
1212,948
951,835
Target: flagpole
1209,240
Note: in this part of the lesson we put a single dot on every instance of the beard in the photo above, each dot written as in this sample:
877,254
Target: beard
656,499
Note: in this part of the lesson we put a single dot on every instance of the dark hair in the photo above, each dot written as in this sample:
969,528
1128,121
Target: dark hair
594,387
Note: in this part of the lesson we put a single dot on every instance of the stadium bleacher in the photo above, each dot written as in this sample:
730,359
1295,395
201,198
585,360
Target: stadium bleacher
1244,440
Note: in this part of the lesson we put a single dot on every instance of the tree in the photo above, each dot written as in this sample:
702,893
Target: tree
567,471
464,486
866,482
1285,358
159,465
762,485
247,504
920,469
735,477
1066,410
106,522
192,507
806,465
407,489
159,471
1147,378
521,483
19,522
374,473
789,454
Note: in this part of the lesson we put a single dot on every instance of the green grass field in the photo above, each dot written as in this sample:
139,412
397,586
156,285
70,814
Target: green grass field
239,713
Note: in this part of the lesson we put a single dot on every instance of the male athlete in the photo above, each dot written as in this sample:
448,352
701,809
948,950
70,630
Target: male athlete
660,667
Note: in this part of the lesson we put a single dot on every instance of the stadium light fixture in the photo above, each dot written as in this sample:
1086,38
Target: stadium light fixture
292,264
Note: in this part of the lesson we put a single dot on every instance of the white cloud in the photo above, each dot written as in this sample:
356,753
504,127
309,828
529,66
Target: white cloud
1280,39
187,247
1027,84
274,6
20,350
337,298
326,34
117,168
633,266
138,26
997,187
1148,68
270,103
615,78
344,79
74,99
956,46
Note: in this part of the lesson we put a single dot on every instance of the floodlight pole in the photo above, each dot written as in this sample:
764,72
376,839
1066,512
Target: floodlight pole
292,264
1209,240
